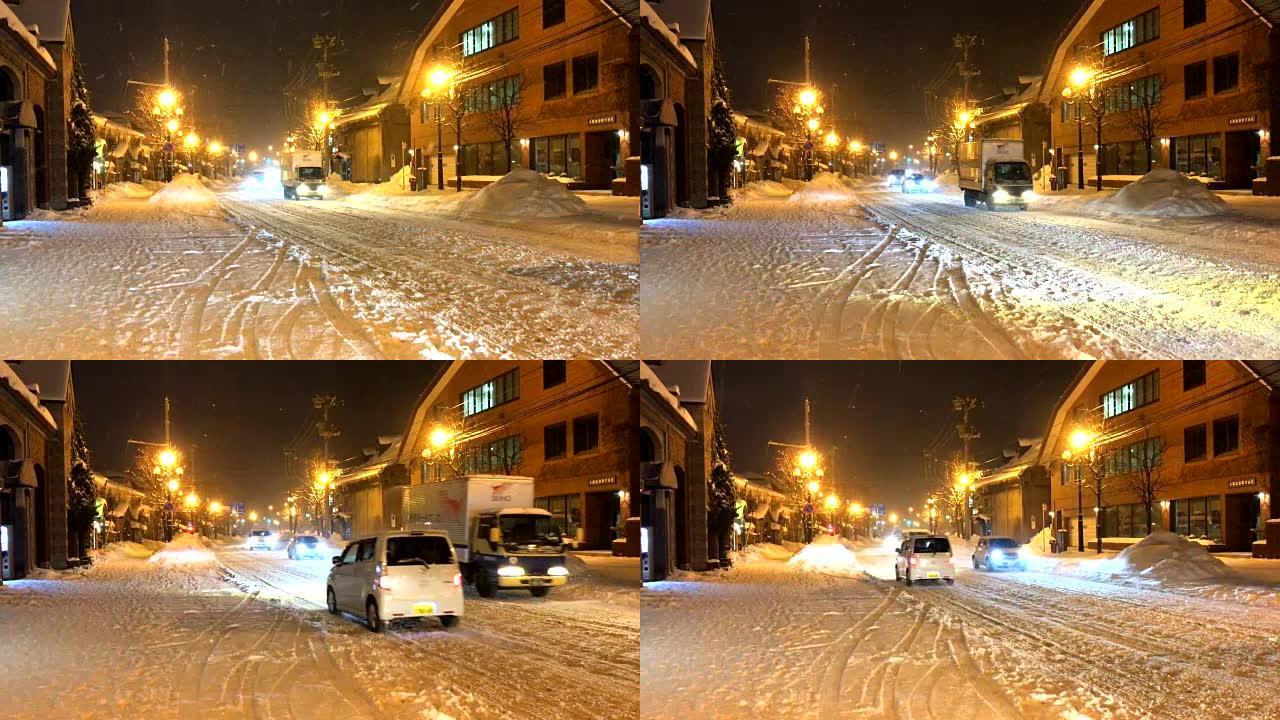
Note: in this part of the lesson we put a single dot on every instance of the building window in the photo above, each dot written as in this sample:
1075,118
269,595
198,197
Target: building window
1193,374
555,441
1194,80
556,156
1197,517
1193,12
1226,73
1128,520
1131,33
1132,395
586,433
566,509
491,33
586,73
552,12
501,93
500,456
486,396
554,372
1070,111
1195,445
1198,155
488,158
1226,435
553,81
1140,93
1134,457
1127,158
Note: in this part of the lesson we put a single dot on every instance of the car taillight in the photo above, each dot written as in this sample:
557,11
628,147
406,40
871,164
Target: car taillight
457,579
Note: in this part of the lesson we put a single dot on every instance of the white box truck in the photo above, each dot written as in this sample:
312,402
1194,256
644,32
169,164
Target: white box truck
304,176
995,172
502,541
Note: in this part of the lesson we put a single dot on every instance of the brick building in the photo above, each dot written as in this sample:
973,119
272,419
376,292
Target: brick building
37,411
1207,65
567,424
1206,429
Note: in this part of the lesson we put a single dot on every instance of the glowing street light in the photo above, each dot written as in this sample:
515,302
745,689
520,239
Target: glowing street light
832,139
832,502
893,154
191,141
813,124
167,99
192,500
253,156
168,458
215,507
215,147
173,125
808,459
253,516
173,485
893,518
808,97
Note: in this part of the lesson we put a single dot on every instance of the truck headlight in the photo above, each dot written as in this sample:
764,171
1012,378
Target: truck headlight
1000,195
323,189
558,571
511,571
1030,195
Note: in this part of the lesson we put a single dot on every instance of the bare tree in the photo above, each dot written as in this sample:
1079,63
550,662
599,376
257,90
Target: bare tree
503,114
1146,479
1144,116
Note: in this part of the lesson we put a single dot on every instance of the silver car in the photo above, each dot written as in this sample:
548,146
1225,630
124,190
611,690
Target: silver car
999,553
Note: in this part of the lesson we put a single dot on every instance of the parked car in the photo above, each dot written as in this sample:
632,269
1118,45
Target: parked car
925,558
305,546
395,576
998,553
895,177
918,182
261,540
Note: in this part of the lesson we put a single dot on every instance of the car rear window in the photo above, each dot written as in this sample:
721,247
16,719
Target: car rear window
307,540
261,533
1004,543
932,545
412,550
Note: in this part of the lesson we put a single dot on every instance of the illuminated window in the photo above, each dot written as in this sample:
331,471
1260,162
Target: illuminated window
491,33
502,389
1132,32
1143,391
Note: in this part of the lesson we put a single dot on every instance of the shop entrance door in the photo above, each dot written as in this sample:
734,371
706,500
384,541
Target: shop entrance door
601,520
1242,158
1242,522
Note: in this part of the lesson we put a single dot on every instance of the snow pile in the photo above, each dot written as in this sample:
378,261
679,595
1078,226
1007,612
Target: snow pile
124,550
826,554
1168,557
762,189
1163,193
185,549
824,188
524,193
759,551
1039,543
337,541
122,191
948,183
185,189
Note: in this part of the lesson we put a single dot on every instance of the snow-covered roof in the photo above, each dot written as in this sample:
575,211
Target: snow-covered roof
1267,371
690,18
52,376
659,24
9,17
51,17
7,375
656,385
690,377
371,107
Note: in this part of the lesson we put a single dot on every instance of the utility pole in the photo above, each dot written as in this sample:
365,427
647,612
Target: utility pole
326,431
166,61
806,60
807,442
966,42
964,405
166,421
325,71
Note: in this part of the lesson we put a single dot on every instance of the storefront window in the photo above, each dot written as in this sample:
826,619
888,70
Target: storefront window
487,158
1199,155
557,155
565,509
1198,517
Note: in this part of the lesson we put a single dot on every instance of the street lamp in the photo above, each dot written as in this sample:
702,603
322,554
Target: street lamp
1080,82
439,79
1081,441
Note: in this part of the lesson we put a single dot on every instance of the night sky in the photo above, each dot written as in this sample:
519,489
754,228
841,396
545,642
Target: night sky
881,415
882,54
241,415
237,56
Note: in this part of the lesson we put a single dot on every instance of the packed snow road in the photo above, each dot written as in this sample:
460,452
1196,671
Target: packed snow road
190,273
244,637
834,272
767,639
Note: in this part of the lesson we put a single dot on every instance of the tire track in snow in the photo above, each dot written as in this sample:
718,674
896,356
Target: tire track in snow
833,298
833,670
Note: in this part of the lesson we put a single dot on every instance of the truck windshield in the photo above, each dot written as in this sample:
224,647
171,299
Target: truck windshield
417,549
529,529
310,173
1013,172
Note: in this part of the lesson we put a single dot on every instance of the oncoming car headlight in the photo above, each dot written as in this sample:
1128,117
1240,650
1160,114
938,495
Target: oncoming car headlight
511,571
1030,195
1001,195
558,571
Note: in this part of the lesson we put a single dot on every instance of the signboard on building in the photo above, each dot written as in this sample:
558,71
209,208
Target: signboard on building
598,482
1246,482
610,119
877,510
1239,120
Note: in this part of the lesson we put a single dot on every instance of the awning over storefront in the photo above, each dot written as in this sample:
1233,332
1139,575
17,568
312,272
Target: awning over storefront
121,149
760,511
762,147
121,509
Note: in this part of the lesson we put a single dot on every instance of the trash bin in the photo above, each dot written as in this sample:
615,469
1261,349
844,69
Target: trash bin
1061,176
413,183
1061,543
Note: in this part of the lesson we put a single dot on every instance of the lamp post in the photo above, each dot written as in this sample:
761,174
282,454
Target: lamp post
1081,84
1081,441
964,482
439,78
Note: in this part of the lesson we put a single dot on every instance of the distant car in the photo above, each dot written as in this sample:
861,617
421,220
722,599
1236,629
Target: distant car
999,553
261,540
896,176
395,576
925,558
305,546
918,182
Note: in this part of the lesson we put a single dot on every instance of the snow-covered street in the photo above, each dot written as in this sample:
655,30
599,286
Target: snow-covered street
767,638
190,272
844,270
242,634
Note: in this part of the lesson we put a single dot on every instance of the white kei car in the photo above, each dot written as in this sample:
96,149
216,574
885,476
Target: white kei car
925,558
395,576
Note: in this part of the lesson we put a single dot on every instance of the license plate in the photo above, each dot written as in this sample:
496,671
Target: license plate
424,609
934,576
537,581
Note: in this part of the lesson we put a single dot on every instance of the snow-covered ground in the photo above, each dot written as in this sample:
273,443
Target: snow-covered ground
856,271
234,272
222,632
769,639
